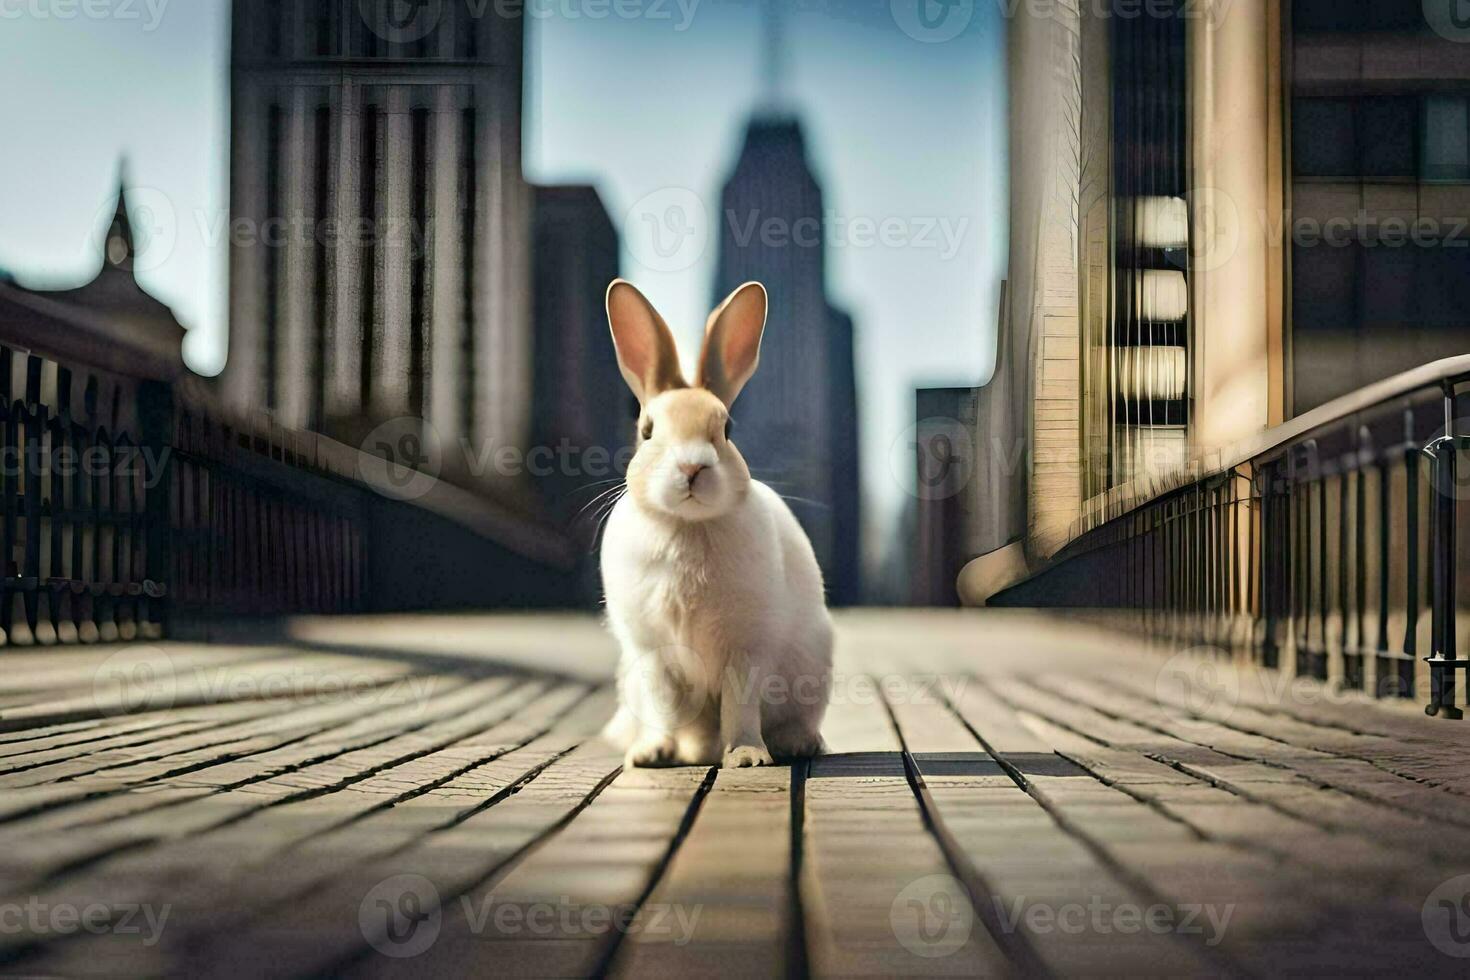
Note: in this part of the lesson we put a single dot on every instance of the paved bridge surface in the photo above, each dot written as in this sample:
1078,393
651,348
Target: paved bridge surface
1007,794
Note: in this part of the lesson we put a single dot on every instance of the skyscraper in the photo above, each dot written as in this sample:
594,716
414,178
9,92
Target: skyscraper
796,420
582,408
380,224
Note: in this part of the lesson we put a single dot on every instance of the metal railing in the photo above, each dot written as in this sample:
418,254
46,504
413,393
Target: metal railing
257,527
121,503
1329,547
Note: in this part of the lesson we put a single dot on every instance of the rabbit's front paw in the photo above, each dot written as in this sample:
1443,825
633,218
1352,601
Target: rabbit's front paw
747,755
648,752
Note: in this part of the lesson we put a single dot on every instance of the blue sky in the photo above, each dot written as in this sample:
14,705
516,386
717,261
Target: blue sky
906,131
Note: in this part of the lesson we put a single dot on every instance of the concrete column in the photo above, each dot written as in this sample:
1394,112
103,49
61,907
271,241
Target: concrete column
343,370
1229,56
447,324
294,353
243,380
489,300
392,350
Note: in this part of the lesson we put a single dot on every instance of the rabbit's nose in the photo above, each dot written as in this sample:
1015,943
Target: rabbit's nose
691,470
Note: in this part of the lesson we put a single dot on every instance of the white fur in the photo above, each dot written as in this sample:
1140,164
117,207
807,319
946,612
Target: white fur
712,587
713,615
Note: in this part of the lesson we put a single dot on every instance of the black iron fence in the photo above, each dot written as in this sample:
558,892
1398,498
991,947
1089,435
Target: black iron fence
256,526
122,503
75,527
1329,548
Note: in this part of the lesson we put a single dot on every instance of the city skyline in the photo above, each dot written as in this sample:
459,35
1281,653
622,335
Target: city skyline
924,314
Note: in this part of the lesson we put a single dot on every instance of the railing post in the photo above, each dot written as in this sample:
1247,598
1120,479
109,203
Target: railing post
156,438
1442,660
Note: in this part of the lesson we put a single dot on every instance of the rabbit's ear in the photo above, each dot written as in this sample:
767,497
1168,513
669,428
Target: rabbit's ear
732,342
646,353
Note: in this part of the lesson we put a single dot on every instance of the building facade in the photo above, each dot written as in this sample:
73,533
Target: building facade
943,517
796,420
1223,216
380,225
1378,185
582,410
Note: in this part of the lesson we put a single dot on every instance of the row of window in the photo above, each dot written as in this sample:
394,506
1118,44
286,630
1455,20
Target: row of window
1356,16
429,29
1426,137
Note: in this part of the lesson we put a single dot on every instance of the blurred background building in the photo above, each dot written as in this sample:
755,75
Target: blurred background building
796,421
1222,218
334,194
380,265
1378,185
582,412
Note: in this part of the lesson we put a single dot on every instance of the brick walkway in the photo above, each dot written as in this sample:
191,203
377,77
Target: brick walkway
1007,794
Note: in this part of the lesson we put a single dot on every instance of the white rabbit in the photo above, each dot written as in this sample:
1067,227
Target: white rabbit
713,590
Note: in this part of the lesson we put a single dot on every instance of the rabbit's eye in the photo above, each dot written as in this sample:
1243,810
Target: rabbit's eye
648,429
728,424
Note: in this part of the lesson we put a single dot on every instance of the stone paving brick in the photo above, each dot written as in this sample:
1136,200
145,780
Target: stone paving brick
1017,762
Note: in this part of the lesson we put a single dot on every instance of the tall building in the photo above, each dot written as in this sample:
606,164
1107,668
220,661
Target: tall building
795,421
1378,182
582,409
1222,216
380,224
943,518
846,586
